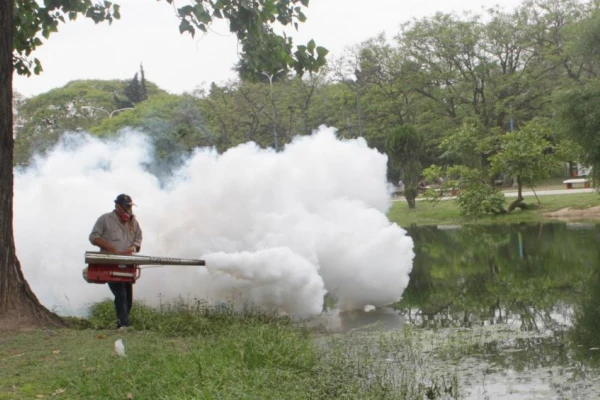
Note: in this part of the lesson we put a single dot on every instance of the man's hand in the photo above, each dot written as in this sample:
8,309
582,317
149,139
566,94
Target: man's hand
130,250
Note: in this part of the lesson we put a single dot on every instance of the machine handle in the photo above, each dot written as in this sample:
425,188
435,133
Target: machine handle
122,274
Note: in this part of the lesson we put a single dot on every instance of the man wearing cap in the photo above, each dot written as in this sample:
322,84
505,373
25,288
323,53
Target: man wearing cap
119,232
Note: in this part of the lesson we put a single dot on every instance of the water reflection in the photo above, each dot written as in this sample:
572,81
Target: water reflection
528,294
530,276
586,332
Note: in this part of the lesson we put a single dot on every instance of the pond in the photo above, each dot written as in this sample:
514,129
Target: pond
501,312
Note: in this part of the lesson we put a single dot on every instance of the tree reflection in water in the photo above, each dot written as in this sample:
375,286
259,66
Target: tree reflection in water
586,331
523,275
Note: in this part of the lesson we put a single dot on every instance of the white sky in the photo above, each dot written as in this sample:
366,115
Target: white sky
148,33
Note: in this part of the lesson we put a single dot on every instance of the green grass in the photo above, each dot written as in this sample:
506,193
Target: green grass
175,352
447,212
260,361
192,351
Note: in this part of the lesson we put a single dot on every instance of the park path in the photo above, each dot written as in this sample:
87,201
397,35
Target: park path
513,193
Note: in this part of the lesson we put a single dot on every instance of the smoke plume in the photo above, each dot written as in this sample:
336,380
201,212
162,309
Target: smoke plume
277,229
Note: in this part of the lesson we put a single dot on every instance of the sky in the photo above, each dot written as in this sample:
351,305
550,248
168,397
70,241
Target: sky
148,33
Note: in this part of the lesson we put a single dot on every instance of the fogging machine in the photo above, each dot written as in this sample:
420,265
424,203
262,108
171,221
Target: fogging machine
110,267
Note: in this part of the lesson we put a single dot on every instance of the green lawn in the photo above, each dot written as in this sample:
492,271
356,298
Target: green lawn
447,212
191,352
259,361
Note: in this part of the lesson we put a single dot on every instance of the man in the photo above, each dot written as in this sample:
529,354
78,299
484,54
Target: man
119,232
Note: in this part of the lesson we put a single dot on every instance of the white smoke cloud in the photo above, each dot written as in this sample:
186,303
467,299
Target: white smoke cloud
276,229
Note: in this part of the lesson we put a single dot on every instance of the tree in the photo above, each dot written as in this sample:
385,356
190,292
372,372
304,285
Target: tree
175,124
577,111
465,146
578,119
476,197
77,105
404,146
526,156
20,23
133,92
136,90
143,88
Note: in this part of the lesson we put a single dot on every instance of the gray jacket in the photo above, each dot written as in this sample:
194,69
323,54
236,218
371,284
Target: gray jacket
110,228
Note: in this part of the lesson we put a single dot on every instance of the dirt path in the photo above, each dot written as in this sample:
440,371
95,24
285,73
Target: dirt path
570,213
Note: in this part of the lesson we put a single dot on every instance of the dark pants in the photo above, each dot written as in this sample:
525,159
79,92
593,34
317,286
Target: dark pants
123,301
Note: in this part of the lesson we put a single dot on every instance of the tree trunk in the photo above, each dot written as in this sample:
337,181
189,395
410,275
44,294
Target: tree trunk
411,192
19,307
520,198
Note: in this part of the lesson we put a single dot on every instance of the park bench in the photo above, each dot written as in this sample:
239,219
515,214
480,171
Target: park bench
571,182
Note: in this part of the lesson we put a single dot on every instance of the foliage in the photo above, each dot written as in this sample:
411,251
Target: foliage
262,50
136,91
32,19
404,146
79,105
476,198
583,45
271,69
466,146
480,199
461,81
525,155
251,111
578,119
175,124
448,184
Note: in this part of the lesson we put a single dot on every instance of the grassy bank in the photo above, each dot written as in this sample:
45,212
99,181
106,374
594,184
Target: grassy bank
447,212
194,353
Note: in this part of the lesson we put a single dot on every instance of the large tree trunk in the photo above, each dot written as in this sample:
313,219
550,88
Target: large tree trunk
19,307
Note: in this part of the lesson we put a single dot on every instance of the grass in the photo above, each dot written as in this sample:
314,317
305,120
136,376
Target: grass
250,362
185,351
447,212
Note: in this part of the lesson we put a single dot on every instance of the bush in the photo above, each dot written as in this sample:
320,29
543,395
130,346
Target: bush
478,200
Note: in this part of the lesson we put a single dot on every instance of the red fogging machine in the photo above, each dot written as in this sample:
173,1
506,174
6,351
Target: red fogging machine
109,267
